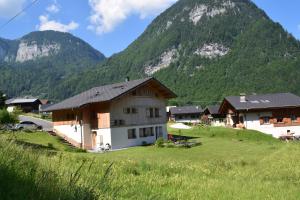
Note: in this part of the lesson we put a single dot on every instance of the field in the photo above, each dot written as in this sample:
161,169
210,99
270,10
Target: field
230,164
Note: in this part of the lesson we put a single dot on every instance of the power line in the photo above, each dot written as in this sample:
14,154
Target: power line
19,13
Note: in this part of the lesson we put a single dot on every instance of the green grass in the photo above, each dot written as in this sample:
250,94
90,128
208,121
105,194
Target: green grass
230,164
39,139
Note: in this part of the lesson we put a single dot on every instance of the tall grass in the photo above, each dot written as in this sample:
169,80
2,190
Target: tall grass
29,174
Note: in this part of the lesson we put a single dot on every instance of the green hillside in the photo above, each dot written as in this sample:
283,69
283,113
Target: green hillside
39,62
261,56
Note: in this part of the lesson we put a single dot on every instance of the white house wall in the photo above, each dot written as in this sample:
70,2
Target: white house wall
118,137
70,131
252,121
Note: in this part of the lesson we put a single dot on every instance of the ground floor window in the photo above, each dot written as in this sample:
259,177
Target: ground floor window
266,120
279,119
294,118
159,131
131,134
146,132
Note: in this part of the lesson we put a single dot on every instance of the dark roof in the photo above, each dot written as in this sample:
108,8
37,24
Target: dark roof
264,101
106,93
186,110
213,110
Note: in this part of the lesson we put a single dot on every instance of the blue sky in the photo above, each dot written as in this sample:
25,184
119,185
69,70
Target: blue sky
107,31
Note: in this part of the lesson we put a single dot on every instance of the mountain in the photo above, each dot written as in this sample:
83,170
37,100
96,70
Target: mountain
202,49
37,63
205,50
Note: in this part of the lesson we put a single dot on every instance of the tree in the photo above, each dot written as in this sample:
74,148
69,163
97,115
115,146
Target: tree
2,100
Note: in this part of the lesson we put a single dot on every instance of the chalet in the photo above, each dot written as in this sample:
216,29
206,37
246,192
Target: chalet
119,115
274,114
26,104
186,114
213,117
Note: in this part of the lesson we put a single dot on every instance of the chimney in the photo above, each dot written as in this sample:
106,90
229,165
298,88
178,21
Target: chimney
243,97
127,79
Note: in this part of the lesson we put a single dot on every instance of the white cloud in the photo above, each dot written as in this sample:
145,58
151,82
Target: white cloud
46,24
107,14
53,8
9,8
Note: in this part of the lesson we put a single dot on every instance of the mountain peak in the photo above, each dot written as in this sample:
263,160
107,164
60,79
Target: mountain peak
45,44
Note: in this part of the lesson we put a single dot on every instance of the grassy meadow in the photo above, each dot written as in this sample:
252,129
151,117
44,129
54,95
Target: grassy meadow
230,164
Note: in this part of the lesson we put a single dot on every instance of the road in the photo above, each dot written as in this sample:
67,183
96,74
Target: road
47,126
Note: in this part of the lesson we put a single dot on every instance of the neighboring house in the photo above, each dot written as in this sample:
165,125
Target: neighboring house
121,115
186,114
213,117
274,114
26,104
168,110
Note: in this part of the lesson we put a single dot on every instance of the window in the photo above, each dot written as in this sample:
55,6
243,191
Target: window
118,122
159,131
126,110
130,110
146,132
294,118
131,134
134,110
142,132
156,112
266,120
279,119
152,112
149,131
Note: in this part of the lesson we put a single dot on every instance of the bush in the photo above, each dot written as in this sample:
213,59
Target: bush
7,118
159,142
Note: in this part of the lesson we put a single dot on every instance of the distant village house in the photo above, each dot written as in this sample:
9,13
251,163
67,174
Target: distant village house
186,114
26,104
213,117
274,114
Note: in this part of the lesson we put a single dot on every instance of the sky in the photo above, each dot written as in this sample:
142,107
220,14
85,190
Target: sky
111,25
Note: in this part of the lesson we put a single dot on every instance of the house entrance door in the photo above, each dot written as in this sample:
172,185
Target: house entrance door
94,139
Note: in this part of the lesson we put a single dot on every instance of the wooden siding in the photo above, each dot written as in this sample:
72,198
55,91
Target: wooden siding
285,114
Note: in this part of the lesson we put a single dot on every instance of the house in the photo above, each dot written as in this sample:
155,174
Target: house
119,115
213,117
26,104
274,114
186,114
168,111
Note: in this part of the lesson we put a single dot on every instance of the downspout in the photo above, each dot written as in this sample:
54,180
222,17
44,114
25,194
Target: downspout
81,136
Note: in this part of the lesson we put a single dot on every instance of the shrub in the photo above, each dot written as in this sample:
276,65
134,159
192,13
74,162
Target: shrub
159,142
7,118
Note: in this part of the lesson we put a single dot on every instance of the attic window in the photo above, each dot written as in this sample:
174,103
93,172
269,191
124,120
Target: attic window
254,101
265,101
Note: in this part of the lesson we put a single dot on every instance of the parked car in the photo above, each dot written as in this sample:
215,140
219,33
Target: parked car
28,125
